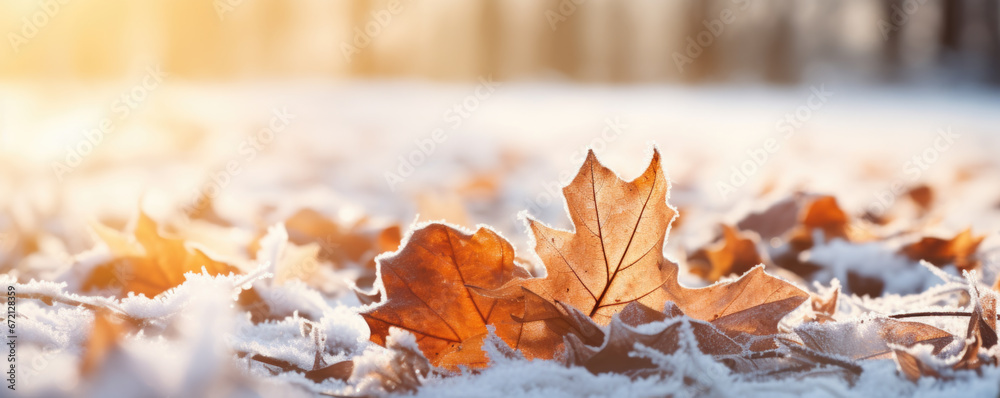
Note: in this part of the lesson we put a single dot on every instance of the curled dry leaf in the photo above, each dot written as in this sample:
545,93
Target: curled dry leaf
981,334
405,369
614,353
339,371
147,262
870,338
960,250
824,308
426,289
735,254
912,367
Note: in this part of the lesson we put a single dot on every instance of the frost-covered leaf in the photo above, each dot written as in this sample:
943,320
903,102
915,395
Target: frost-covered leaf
425,285
146,262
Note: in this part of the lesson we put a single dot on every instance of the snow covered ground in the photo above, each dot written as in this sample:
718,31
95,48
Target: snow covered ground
391,150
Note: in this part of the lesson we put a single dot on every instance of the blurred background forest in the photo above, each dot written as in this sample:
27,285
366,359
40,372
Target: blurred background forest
629,41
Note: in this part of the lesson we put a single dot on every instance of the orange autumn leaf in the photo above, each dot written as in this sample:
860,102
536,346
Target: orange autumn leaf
446,287
615,258
735,254
425,284
824,214
960,250
796,218
358,243
148,263
615,254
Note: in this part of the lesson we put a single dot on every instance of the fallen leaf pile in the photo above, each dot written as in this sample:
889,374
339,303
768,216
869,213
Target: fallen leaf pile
441,300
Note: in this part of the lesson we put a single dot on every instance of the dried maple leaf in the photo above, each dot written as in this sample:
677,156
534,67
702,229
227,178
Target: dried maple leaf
960,250
425,286
446,286
735,254
147,262
615,257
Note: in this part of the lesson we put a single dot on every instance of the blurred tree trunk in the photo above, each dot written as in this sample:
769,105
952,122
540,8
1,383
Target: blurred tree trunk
893,46
781,61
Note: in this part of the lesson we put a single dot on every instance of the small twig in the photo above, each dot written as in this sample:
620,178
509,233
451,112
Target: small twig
115,311
928,314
